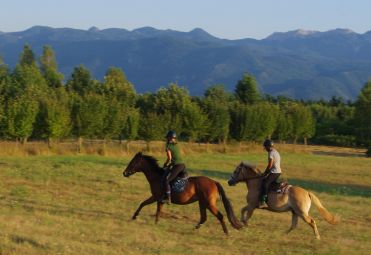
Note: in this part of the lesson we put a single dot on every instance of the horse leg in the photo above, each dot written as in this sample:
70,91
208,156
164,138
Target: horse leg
294,222
249,212
243,211
311,223
203,216
219,216
158,211
148,201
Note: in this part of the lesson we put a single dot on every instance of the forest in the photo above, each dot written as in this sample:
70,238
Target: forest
37,102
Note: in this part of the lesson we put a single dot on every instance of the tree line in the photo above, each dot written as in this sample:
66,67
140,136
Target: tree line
36,102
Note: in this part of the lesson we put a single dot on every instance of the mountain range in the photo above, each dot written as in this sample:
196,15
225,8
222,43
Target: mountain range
301,64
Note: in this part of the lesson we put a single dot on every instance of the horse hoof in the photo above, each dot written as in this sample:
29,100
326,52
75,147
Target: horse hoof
197,226
134,218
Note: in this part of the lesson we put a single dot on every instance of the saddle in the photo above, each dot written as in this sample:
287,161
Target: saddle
180,182
279,187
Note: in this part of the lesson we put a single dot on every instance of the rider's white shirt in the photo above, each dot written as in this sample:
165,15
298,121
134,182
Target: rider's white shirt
275,156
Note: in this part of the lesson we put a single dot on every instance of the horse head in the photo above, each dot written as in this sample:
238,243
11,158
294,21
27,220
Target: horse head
134,165
243,172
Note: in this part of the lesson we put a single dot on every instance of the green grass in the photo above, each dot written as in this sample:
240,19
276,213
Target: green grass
83,205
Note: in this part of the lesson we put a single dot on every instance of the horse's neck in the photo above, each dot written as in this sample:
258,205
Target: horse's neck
153,177
254,186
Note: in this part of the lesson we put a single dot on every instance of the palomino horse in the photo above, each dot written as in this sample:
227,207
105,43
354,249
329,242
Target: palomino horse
199,188
297,200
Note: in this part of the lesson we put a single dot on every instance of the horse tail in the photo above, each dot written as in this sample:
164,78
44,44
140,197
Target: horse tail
228,208
332,219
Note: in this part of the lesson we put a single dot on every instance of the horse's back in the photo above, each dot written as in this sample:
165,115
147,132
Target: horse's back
294,197
198,186
297,192
204,185
203,181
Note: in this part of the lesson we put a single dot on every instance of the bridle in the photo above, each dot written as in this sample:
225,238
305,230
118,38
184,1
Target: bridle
233,179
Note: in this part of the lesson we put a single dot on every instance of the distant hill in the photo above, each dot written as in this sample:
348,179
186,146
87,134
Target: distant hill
300,63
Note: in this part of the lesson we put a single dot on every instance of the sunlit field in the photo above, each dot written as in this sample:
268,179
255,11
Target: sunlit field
81,204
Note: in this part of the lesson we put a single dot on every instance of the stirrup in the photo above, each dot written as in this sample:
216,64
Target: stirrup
166,199
264,199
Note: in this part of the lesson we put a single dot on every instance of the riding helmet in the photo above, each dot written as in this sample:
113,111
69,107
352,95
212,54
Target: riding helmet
170,134
268,143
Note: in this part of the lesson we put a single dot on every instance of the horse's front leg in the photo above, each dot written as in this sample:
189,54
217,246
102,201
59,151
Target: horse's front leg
148,201
246,213
243,211
158,211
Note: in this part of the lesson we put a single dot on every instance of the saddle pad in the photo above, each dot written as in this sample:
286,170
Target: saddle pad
179,184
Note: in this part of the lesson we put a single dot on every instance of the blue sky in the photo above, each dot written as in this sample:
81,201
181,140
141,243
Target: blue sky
232,19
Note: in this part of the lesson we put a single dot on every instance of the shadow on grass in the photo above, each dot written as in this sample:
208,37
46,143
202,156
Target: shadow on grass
20,240
330,188
34,205
333,188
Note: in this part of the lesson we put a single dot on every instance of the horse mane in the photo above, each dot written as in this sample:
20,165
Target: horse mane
251,166
153,162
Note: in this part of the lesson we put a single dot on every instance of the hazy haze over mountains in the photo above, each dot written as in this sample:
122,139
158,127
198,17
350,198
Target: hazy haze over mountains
300,63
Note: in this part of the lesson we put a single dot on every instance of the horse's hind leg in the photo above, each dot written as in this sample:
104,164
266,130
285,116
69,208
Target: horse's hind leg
311,223
148,201
294,222
219,216
158,211
203,216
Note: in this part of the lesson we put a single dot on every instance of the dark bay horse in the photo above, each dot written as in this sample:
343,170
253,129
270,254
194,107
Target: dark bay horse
199,188
297,200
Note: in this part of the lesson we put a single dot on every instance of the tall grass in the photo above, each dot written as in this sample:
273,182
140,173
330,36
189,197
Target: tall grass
124,148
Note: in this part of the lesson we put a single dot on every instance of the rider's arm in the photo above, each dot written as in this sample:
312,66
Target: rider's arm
168,160
269,166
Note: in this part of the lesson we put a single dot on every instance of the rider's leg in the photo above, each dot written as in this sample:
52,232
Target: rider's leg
172,175
272,177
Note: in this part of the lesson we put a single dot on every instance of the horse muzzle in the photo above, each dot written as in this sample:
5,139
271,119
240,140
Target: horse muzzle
232,182
127,174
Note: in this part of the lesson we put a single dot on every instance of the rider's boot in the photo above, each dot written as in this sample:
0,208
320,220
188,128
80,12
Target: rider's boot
167,198
263,201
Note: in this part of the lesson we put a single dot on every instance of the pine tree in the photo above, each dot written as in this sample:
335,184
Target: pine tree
27,57
216,104
116,85
362,117
246,90
54,117
49,69
82,82
195,122
303,122
21,115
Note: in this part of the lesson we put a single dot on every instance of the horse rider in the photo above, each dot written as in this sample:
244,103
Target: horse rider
272,171
173,163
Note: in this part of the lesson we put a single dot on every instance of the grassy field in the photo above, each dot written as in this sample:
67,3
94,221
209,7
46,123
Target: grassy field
82,205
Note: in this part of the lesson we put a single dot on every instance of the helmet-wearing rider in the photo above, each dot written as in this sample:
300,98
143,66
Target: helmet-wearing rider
273,169
173,162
